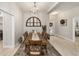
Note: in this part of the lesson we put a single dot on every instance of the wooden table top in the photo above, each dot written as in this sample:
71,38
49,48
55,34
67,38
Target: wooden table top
29,38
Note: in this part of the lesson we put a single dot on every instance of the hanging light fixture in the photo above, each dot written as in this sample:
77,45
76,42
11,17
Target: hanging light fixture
34,10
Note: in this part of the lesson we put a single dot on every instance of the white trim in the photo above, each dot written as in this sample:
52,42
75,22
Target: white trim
13,36
3,31
61,36
73,25
54,5
5,12
16,49
13,31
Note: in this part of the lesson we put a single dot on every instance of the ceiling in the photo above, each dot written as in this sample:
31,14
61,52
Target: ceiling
42,6
63,6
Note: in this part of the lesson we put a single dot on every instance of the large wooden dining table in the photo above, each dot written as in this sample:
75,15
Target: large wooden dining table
34,39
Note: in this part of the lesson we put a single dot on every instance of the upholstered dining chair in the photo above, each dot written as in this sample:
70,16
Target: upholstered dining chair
45,35
35,48
25,35
45,38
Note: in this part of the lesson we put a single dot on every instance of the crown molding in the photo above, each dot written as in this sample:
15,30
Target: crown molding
52,7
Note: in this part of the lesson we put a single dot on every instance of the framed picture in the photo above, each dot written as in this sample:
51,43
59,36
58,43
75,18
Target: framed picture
50,24
63,22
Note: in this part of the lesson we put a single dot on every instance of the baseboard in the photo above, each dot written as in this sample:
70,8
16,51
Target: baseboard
61,36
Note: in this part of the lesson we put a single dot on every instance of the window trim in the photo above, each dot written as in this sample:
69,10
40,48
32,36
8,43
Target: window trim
33,22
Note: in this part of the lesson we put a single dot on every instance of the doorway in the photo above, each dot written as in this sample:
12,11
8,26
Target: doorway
7,29
1,29
76,29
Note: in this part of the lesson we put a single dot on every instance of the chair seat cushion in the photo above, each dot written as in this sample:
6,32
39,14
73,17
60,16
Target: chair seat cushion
35,53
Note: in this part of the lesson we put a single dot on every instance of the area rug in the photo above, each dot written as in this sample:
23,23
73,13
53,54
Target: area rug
51,51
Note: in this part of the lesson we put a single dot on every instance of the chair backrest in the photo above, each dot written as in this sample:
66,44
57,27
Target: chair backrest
25,35
31,42
45,35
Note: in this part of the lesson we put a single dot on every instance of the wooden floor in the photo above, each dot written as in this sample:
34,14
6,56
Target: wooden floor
77,45
7,51
64,47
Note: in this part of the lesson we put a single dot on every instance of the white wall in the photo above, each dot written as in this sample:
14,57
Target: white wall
1,23
13,9
42,16
66,13
52,19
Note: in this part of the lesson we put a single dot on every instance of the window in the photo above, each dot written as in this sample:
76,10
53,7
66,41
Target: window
33,22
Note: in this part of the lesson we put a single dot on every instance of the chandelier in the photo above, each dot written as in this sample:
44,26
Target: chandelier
34,10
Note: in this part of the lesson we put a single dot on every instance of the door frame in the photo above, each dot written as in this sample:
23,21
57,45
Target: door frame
13,29
73,27
76,17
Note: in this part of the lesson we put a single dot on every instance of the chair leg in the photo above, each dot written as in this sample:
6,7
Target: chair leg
45,47
25,48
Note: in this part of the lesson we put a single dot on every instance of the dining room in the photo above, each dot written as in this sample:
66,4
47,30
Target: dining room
38,28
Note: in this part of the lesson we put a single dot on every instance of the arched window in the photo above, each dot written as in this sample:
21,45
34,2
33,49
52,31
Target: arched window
33,22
